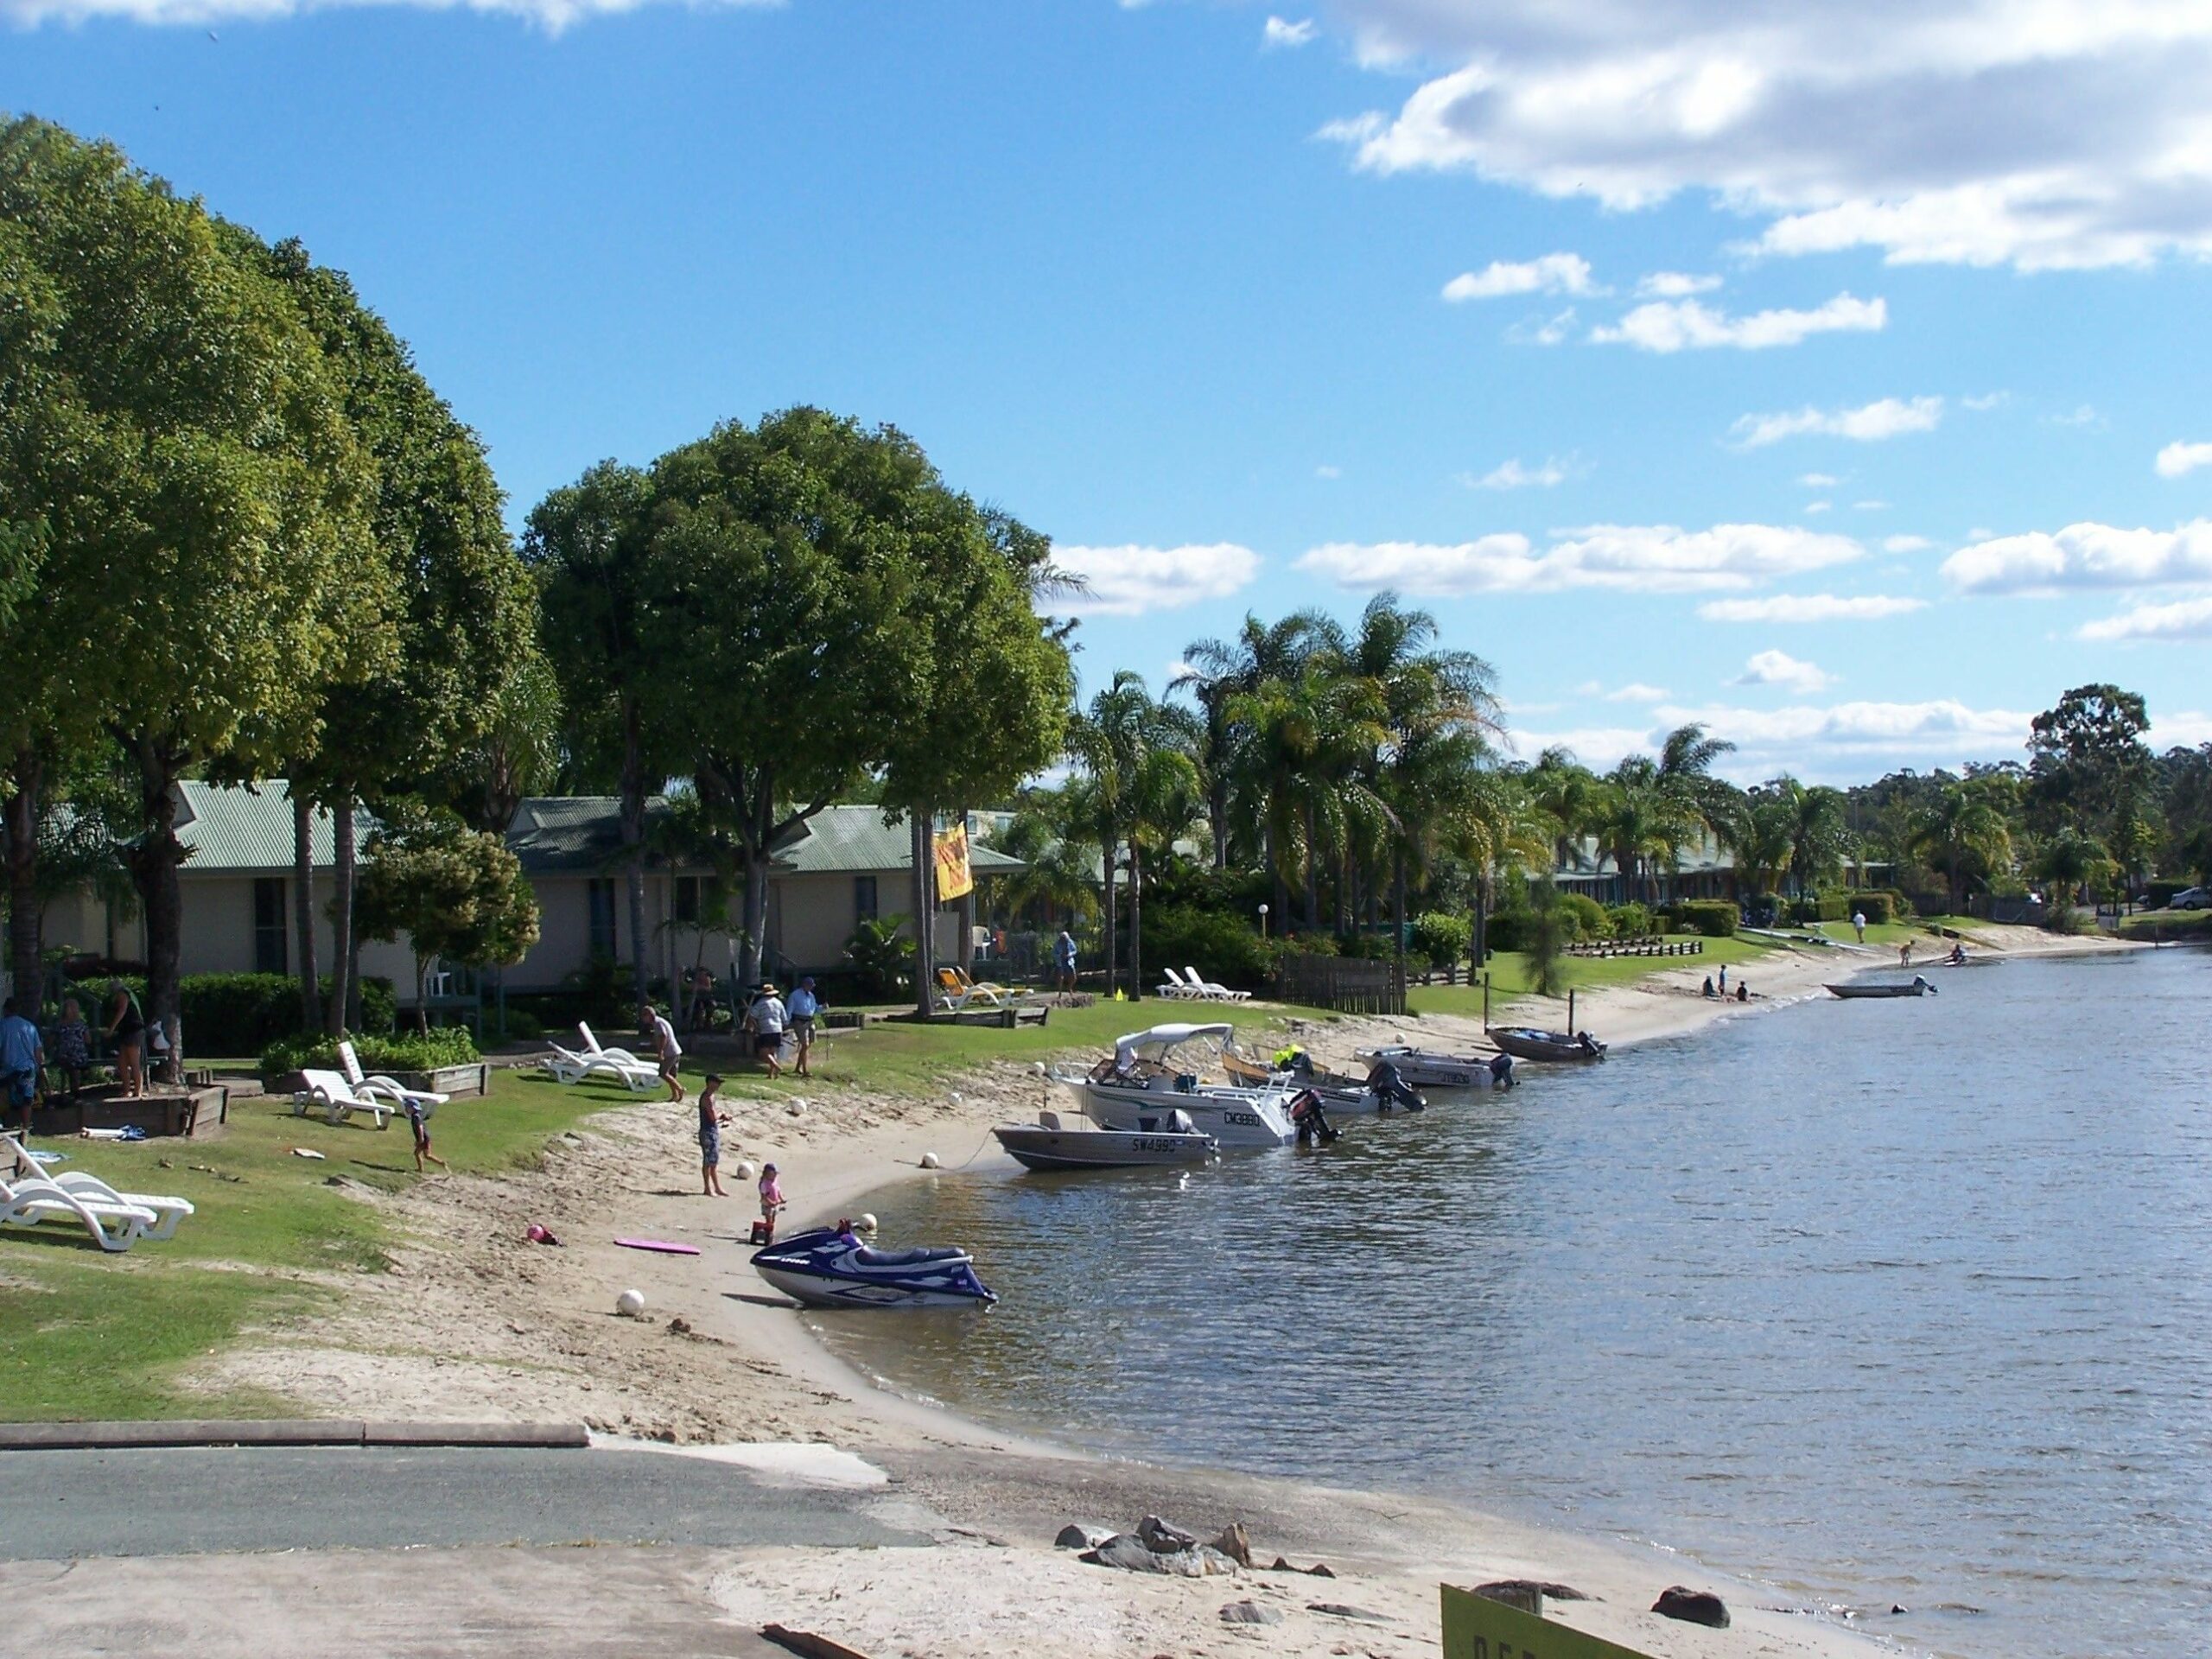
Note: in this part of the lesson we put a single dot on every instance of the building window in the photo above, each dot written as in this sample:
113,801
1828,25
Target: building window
269,930
687,901
601,893
863,897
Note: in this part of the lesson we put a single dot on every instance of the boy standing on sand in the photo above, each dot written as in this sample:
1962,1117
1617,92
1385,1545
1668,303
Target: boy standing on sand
655,1025
710,1140
771,1199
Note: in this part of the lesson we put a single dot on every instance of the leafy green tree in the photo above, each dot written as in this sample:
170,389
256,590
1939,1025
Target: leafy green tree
1217,671
2086,760
1962,832
2071,861
200,491
453,893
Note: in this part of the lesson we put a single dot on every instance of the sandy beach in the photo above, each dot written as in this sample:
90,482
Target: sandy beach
472,1321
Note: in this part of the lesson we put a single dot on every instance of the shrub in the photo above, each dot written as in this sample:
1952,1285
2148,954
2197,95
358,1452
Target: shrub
882,960
1713,918
1630,921
1876,904
444,1045
1219,943
523,1026
1581,917
2157,895
238,1013
1443,938
1371,947
1512,930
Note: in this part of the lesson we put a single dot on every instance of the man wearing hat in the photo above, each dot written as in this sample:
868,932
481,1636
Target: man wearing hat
804,1006
768,1019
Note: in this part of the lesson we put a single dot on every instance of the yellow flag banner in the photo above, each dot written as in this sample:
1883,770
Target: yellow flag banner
1476,1627
954,879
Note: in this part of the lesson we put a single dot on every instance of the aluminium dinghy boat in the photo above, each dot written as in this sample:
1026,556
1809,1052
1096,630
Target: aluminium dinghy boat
830,1268
1859,989
1526,1043
1383,1091
1053,1142
1422,1068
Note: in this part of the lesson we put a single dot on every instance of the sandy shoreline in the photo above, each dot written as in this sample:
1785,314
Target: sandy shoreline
472,1321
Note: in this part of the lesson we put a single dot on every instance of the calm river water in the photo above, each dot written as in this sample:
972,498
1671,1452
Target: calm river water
1880,1302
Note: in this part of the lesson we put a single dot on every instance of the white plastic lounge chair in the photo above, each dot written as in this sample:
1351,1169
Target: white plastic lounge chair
956,992
620,1056
81,1184
381,1087
1213,993
569,1066
1177,989
26,1202
331,1095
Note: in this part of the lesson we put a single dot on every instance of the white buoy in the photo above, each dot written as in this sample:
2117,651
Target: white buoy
629,1304
868,1221
745,1171
958,1099
1037,1067
928,1161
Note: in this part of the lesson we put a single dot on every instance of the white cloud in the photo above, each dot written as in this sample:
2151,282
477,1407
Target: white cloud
1132,581
2084,556
1326,471
552,15
1780,668
1674,285
1554,273
1594,746
2081,414
1988,400
2183,731
2060,133
1512,475
1637,692
1809,607
2188,619
1541,330
1870,507
1812,507
1651,558
1818,480
1686,325
1852,739
1280,33
1886,417
1906,544
2179,459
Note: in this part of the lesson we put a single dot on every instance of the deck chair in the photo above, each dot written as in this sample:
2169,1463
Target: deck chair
620,1056
27,1201
329,1093
167,1212
1177,988
956,991
569,1066
384,1088
1213,993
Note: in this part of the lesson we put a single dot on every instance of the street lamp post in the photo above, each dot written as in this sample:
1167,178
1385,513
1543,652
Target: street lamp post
1263,921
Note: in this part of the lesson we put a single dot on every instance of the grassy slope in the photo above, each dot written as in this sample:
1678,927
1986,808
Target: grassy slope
1509,975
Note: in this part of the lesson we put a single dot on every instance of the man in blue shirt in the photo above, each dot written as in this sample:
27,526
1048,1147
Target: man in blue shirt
23,1059
1063,955
803,1007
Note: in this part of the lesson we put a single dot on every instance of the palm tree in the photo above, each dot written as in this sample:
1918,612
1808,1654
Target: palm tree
1307,736
1643,820
1759,837
1570,794
1819,834
1216,671
1049,833
1960,830
2071,861
1135,756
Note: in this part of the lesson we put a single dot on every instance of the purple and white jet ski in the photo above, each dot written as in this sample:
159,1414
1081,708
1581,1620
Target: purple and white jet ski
828,1268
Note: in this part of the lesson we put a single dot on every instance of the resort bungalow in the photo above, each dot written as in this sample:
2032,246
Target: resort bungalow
845,866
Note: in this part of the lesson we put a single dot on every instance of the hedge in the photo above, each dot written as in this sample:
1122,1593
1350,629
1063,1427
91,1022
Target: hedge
1630,921
1218,944
1713,918
2168,925
1586,918
445,1046
1443,938
228,1014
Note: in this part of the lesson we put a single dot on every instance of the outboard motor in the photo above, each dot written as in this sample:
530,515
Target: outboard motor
1312,1123
1391,1090
1501,1071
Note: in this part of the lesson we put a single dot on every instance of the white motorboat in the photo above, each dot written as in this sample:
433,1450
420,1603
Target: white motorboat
1425,1070
1146,1079
1055,1142
1342,1095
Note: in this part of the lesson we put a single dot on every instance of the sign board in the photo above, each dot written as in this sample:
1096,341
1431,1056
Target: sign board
1476,1627
954,879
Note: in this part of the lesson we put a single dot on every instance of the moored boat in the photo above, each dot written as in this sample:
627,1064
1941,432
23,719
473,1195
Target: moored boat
1526,1043
1054,1143
1422,1068
829,1266
1858,989
1145,1079
1342,1094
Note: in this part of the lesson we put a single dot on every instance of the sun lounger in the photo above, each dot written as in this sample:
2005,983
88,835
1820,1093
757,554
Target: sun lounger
80,1184
569,1066
1210,992
27,1201
620,1056
1177,988
384,1088
955,991
330,1093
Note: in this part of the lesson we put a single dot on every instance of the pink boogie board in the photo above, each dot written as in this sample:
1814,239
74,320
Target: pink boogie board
659,1246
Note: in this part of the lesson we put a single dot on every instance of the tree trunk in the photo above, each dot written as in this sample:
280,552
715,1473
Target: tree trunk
1136,921
422,979
341,1008
304,911
26,956
154,865
633,843
1398,909
1110,852
1281,883
918,818
1312,875
1218,816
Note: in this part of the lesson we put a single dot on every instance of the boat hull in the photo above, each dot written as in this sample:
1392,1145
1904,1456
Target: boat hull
824,1268
1055,1149
1861,993
1425,1070
1234,1118
1550,1046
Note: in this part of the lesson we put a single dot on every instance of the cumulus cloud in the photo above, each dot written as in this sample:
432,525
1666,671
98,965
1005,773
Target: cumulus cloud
1886,417
1987,400
2188,619
2068,133
2083,555
1281,32
552,15
1687,325
1542,330
1512,475
1817,480
1637,692
1780,668
1554,273
1674,285
1132,581
1809,607
1853,738
2177,460
1651,558
1594,746
1906,544
1819,506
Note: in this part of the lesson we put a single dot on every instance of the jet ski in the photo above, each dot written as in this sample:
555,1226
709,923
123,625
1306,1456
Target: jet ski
830,1268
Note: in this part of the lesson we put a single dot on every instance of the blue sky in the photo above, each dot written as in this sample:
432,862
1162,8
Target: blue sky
1642,349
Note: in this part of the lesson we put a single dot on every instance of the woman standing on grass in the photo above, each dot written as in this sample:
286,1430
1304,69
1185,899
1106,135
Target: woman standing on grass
126,1029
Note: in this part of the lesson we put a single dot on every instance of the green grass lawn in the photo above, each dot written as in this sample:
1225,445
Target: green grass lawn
1509,975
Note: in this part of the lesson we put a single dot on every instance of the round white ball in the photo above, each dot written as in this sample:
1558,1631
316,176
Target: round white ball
745,1171
928,1161
629,1304
868,1221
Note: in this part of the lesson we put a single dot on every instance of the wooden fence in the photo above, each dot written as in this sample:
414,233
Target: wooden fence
1346,984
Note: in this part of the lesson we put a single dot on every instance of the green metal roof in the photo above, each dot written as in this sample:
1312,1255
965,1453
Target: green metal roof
855,838
250,829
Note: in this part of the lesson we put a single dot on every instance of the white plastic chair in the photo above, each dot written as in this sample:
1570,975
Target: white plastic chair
82,1183
330,1093
1211,992
620,1056
26,1201
1177,989
381,1087
570,1067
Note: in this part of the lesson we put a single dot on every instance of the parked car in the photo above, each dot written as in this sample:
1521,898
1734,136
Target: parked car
2191,899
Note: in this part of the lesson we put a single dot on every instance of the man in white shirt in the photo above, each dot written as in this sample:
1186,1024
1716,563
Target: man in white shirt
653,1025
768,1020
